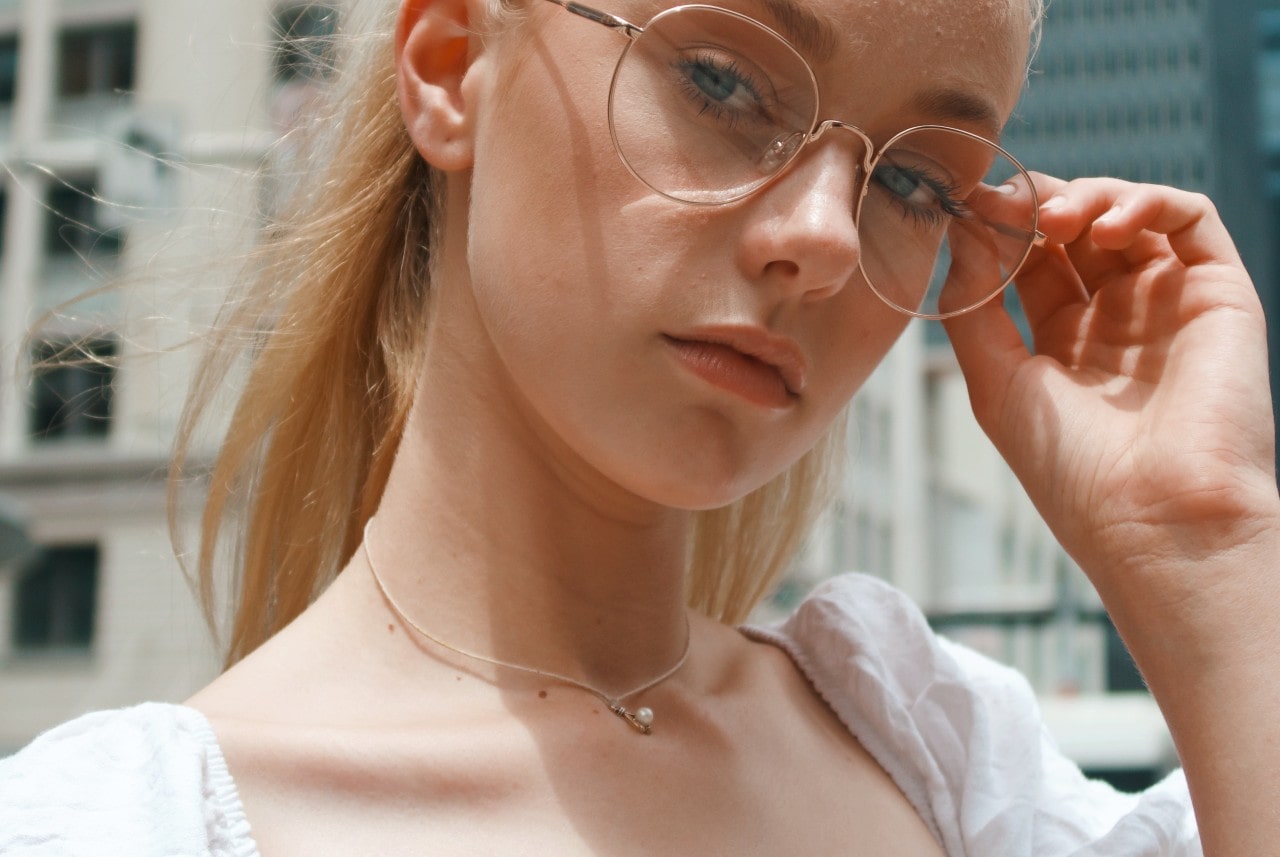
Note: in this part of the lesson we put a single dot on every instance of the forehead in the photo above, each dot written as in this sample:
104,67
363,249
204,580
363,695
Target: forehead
952,58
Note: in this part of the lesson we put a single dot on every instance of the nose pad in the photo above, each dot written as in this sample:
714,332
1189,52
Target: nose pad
781,150
779,153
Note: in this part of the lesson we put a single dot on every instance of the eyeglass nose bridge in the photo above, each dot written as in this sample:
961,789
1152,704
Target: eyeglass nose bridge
785,149
868,147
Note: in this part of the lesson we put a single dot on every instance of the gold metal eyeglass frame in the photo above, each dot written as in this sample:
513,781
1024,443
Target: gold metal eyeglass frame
789,149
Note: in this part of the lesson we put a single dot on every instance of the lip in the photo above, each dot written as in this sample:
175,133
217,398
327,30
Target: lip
757,365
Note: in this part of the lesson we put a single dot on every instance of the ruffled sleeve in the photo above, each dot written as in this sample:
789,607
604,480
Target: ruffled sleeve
148,781
963,737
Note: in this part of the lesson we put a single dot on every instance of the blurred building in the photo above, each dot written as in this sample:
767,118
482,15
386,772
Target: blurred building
125,126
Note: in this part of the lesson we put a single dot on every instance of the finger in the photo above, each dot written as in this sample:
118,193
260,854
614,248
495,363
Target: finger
1069,209
995,240
977,266
1195,232
1109,222
1066,219
1012,204
1047,281
1049,287
1015,202
989,350
986,342
1062,218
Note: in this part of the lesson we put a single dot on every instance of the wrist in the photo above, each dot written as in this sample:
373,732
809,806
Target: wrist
1196,607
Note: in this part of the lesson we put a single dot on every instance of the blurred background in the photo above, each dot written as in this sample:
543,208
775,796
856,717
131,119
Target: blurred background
130,134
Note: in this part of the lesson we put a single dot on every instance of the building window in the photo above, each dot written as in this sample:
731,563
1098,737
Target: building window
72,224
72,390
4,217
1122,673
56,597
97,60
8,68
304,42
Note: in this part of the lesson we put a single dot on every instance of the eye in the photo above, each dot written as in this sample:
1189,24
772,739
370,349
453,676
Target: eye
715,83
919,191
904,184
719,84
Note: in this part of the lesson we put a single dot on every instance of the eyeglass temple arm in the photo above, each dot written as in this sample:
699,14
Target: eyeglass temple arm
611,21
1038,238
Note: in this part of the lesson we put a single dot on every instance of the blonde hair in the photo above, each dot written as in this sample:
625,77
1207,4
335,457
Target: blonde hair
344,279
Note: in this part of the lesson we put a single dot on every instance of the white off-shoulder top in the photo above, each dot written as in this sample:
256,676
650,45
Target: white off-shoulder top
960,734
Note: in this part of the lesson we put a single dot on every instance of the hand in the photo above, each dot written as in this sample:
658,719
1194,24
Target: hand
1141,427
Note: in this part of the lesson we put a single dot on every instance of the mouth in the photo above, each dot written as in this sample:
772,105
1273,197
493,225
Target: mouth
758,366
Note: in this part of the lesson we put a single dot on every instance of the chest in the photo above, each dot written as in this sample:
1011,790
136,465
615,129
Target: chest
603,794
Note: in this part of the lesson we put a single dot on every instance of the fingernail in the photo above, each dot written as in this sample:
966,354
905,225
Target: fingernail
1007,189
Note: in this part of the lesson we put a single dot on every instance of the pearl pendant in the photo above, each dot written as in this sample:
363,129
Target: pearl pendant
642,719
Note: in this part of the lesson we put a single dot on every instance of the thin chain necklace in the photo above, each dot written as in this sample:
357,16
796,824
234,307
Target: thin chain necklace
641,719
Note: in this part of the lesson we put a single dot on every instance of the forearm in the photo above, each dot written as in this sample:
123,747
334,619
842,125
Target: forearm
1212,661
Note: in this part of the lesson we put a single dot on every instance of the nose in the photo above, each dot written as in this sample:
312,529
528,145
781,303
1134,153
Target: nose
800,236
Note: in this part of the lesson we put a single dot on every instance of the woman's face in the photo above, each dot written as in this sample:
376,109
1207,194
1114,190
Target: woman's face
686,353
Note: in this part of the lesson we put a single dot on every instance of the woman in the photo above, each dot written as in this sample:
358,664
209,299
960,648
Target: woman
578,329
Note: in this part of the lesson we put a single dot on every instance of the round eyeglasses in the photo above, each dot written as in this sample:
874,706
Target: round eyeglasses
708,106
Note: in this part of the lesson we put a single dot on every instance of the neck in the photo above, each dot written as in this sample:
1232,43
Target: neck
501,544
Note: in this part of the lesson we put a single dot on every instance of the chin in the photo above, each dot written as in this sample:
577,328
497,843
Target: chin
688,493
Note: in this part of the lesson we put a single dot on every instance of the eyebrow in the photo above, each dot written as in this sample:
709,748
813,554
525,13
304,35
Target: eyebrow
958,105
812,35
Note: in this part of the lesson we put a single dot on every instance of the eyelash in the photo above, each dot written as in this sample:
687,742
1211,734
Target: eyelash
951,206
705,59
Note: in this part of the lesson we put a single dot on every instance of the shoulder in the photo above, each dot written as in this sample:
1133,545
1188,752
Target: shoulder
920,705
962,735
150,779
856,628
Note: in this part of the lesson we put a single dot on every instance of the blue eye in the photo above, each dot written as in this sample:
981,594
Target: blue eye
715,83
722,86
898,182
920,193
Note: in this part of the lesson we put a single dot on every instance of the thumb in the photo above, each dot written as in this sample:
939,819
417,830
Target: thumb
987,344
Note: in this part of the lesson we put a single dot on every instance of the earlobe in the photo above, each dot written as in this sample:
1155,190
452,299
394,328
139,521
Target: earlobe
433,54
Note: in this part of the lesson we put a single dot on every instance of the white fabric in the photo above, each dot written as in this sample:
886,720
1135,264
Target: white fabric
148,781
961,736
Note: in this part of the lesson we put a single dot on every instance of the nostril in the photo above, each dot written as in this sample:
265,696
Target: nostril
783,268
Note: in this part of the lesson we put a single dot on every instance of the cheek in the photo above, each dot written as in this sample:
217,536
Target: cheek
546,180
861,330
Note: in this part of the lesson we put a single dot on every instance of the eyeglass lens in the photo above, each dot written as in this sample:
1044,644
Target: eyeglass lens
707,106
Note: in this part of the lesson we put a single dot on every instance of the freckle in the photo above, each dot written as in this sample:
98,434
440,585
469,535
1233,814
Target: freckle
457,678
391,629
542,694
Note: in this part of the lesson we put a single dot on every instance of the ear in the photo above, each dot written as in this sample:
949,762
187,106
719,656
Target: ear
434,45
